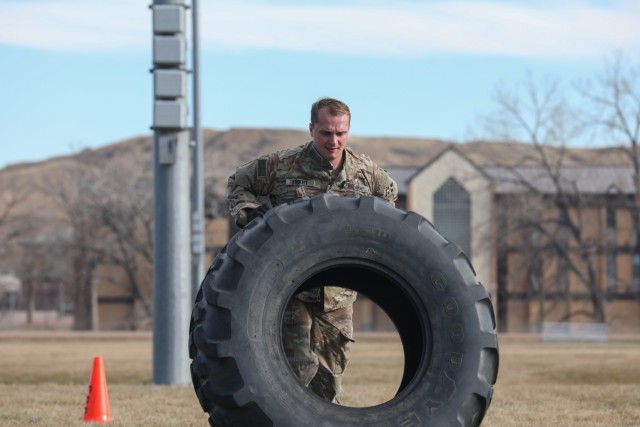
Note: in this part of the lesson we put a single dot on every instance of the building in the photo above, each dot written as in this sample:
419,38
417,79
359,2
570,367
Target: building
545,242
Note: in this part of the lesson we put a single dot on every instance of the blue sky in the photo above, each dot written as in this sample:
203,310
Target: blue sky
75,73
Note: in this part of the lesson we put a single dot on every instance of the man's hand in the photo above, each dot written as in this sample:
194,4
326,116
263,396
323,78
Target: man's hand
245,216
257,212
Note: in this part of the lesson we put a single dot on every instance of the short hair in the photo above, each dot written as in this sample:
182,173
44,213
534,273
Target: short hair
336,108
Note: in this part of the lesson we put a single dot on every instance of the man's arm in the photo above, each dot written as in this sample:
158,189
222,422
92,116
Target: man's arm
385,187
249,181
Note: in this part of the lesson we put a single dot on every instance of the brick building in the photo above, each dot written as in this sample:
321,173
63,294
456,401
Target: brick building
489,212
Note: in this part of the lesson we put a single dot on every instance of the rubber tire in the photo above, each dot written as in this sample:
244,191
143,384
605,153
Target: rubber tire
423,282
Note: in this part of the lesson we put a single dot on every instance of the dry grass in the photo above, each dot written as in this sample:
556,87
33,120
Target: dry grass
567,385
43,382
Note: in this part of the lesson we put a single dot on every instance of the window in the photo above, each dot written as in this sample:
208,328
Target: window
611,250
452,214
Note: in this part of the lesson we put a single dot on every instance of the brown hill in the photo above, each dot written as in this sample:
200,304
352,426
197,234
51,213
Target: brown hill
224,150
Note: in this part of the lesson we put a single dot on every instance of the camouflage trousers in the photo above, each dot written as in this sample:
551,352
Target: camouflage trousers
317,345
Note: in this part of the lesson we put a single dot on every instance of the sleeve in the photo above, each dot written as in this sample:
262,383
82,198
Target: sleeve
249,181
385,187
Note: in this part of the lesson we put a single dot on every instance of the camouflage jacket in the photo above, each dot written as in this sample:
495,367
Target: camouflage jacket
300,172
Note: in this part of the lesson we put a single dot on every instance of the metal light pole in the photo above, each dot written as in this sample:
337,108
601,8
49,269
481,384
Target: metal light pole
197,180
172,300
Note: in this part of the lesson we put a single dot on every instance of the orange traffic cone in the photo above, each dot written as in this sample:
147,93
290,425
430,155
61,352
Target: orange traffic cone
97,409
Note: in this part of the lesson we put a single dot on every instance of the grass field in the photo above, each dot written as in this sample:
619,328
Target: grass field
44,379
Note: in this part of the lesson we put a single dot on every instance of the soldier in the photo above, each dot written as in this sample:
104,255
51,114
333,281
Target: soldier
317,331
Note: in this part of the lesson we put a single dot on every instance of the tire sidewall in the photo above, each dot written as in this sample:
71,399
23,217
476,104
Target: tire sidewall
413,255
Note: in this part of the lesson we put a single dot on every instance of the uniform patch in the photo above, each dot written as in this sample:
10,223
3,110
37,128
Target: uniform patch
302,183
356,187
262,168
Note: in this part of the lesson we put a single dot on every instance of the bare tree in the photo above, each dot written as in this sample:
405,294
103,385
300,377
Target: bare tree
15,218
613,99
84,247
19,226
122,203
546,216
107,205
39,267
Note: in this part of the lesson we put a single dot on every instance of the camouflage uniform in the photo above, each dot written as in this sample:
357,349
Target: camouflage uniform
318,328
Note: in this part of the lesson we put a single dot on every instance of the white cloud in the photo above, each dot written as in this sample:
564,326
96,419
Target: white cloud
75,26
374,28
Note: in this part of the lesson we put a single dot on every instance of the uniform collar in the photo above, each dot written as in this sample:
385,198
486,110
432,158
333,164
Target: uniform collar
313,153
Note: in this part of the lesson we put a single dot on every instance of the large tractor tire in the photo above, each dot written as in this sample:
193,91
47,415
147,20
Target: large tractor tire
424,283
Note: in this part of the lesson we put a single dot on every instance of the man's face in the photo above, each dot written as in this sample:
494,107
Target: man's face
330,135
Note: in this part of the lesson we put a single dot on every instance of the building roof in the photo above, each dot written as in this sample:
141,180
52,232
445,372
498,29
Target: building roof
581,179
